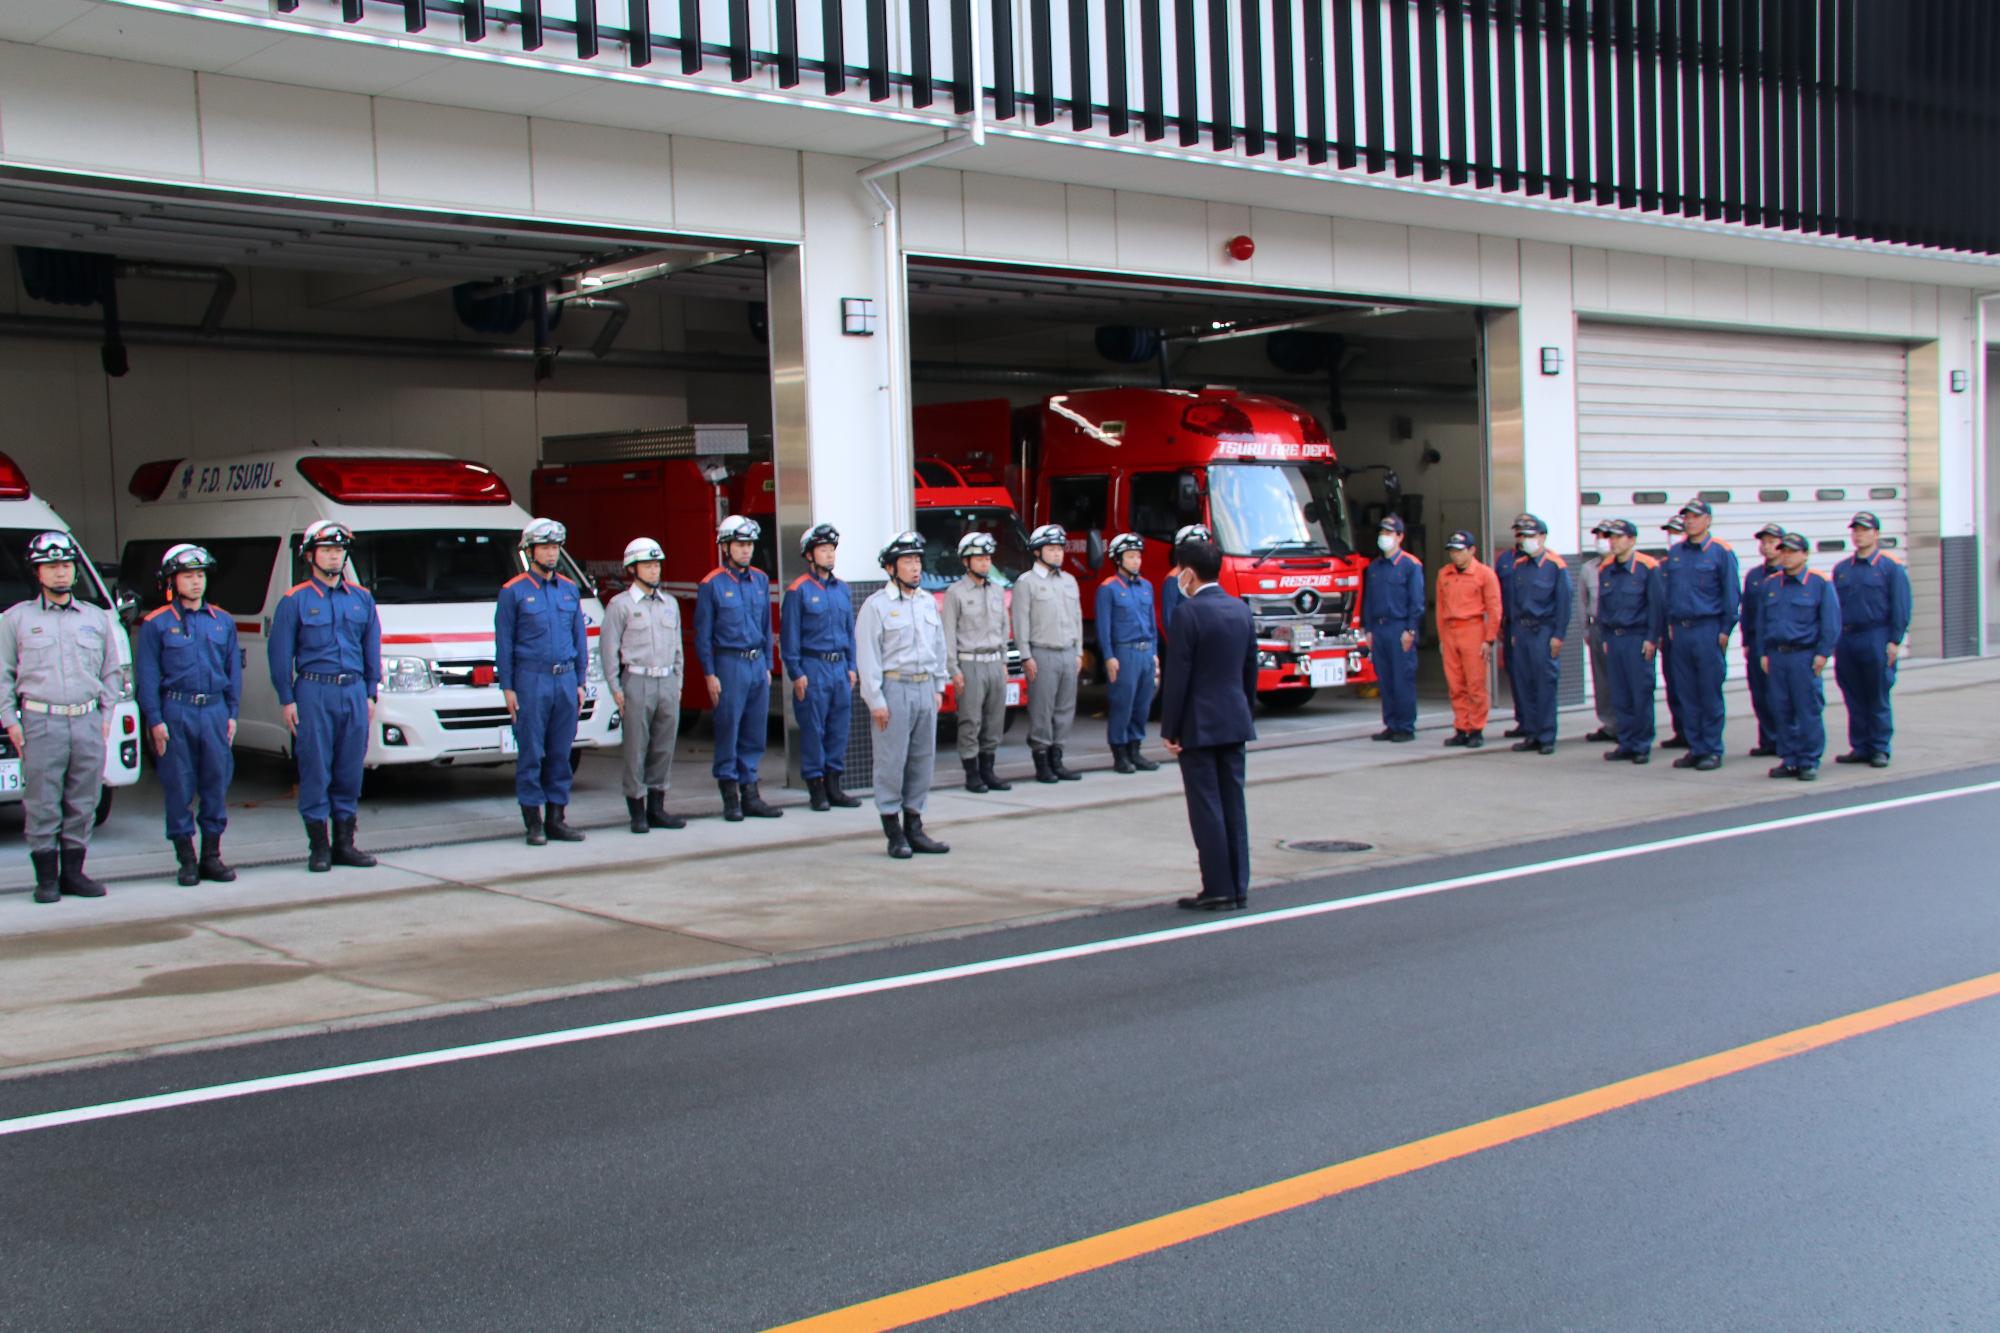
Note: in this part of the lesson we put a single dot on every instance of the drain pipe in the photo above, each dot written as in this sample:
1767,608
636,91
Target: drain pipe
895,305
600,347
1985,504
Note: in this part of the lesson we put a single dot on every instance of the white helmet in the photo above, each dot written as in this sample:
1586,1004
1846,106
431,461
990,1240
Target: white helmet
642,548
1126,541
544,532
737,528
1194,532
326,532
1049,534
977,543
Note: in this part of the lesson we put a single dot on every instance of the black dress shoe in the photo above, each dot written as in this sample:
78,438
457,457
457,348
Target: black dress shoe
1475,740
1878,761
1617,756
1383,735
1641,757
1457,738
1808,775
1522,747
1782,771
1763,752
1674,743
1708,763
1204,903
1546,747
1403,737
1851,757
1600,735
1512,732
1685,761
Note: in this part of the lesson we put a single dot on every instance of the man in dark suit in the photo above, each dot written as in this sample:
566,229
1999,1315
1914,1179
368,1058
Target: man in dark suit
1210,679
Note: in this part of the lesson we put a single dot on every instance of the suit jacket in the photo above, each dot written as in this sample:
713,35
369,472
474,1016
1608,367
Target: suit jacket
1209,672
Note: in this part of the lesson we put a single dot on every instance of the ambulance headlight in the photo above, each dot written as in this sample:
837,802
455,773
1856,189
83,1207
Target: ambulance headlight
126,689
408,675
595,667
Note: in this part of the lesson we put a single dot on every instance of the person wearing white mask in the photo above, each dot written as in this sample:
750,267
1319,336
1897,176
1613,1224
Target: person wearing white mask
1600,666
1392,609
1537,622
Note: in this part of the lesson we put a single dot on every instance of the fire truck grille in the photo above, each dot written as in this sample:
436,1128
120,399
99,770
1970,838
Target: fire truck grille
472,719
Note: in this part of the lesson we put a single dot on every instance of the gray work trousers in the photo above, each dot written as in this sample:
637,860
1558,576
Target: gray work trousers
906,751
651,719
62,772
982,708
1600,681
1051,697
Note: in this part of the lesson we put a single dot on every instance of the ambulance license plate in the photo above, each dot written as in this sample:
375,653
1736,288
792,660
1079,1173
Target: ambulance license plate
1013,699
507,745
1328,672
10,775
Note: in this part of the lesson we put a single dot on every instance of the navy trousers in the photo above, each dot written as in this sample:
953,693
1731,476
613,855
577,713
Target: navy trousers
1396,677
1130,696
198,764
1536,673
1861,668
1219,818
743,716
1798,706
1633,683
1673,687
1700,663
544,731
1760,699
331,746
823,717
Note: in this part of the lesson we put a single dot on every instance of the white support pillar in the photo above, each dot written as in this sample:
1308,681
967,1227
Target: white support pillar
1548,402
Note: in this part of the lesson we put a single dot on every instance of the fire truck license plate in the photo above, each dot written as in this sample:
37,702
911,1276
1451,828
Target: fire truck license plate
507,745
10,775
1328,671
1013,694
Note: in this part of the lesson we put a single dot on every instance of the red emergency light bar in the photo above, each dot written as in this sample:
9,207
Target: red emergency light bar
13,481
149,480
1220,421
407,481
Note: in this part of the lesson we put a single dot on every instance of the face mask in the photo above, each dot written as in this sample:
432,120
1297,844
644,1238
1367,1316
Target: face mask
1186,580
1387,542
1531,545
1603,545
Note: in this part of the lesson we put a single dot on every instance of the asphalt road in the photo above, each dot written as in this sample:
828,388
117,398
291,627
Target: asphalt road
744,1171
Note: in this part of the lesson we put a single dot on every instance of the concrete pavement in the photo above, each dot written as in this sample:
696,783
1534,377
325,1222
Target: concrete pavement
484,923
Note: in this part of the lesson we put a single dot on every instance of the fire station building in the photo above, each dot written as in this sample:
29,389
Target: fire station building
1588,258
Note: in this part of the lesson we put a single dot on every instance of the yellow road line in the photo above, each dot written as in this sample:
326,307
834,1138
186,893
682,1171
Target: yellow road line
1177,1228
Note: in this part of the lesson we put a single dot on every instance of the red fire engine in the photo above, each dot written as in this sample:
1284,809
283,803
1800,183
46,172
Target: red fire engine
1259,471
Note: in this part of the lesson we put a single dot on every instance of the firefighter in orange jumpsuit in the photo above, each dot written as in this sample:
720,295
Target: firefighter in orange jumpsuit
1468,612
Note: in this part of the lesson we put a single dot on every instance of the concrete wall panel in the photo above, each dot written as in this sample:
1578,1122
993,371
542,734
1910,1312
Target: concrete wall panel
301,139
95,114
588,171
438,154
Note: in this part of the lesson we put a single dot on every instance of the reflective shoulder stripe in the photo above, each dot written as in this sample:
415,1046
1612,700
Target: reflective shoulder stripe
157,612
1893,558
712,575
562,578
298,587
799,582
1557,561
1650,562
511,582
1819,574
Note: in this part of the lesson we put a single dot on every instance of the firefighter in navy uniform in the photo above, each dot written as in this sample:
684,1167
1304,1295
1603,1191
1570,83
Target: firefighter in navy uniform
1675,530
816,631
1130,648
541,650
1704,598
1799,625
59,663
326,666
1874,593
1392,609
1632,620
1538,614
1503,570
189,679
1753,656
732,640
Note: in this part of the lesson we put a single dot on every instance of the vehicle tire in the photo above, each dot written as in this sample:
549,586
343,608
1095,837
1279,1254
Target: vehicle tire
575,757
947,729
1286,701
1007,720
103,807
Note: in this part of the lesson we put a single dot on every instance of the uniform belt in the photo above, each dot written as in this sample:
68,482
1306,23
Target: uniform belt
825,657
1788,647
1147,644
336,678
989,655
552,669
1621,633
747,653
655,673
906,675
1696,620
1052,647
58,710
184,697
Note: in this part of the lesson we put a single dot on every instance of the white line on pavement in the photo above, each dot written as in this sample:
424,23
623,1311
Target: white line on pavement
796,999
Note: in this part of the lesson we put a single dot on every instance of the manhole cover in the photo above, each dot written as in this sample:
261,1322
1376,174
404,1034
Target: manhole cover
1329,845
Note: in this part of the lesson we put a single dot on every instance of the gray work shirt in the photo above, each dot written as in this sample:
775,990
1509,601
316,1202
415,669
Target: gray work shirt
1048,610
1587,588
898,631
643,630
53,654
975,619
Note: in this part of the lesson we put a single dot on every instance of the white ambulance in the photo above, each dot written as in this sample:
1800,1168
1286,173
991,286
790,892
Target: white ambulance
22,515
434,538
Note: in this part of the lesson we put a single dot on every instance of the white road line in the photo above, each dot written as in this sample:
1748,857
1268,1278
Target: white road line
796,999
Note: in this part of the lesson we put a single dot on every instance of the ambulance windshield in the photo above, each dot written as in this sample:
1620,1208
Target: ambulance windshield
428,566
1278,509
17,576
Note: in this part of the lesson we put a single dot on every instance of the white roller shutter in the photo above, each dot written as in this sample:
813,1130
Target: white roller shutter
1798,431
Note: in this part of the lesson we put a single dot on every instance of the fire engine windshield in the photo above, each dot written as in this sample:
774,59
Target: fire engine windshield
1278,509
428,566
941,529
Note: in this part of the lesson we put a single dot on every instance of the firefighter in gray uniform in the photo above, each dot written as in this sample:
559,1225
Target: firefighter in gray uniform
975,656
59,665
641,648
1048,625
899,655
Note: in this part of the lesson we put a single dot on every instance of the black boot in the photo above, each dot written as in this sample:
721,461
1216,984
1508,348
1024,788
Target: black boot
1056,766
656,811
1138,758
635,811
71,877
1121,760
531,819
816,795
185,875
1474,739
345,853
211,865
990,777
48,887
755,806
975,781
557,825
1044,773
920,841
899,846
319,848
835,797
732,801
